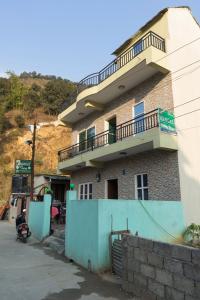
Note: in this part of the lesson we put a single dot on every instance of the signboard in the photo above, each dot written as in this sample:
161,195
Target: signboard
23,166
20,184
166,121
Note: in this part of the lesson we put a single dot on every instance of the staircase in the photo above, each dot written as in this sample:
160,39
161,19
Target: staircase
56,241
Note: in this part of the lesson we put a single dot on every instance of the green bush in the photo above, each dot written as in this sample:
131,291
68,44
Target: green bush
4,124
19,119
192,235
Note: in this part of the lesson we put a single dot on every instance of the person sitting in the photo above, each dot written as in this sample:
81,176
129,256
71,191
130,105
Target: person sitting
55,214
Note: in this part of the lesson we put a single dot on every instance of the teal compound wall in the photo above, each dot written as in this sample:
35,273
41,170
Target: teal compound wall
89,223
39,217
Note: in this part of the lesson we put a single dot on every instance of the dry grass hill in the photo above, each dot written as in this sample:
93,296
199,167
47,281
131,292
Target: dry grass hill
49,140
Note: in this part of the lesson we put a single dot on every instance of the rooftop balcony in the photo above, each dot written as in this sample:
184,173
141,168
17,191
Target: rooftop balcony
150,39
138,63
154,130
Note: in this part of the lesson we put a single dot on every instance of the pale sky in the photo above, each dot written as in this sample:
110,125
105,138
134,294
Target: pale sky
71,38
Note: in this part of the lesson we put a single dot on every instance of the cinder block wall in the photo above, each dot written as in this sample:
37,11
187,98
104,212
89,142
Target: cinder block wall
154,270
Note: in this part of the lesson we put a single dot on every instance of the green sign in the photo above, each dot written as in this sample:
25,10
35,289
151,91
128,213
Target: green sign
166,121
23,166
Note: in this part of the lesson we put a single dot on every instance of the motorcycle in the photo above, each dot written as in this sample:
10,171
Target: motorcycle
23,232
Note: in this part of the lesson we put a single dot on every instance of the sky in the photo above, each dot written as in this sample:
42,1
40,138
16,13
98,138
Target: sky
71,38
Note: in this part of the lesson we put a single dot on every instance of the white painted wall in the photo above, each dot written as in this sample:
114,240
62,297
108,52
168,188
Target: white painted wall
183,29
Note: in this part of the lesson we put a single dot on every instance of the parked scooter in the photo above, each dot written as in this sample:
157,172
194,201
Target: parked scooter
22,227
23,232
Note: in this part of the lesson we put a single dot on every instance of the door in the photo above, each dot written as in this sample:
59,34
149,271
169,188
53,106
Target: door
112,131
138,115
112,189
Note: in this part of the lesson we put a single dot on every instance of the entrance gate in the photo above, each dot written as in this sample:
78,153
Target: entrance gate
116,251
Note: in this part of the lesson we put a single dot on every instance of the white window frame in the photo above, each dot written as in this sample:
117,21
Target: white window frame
133,111
142,186
134,116
88,194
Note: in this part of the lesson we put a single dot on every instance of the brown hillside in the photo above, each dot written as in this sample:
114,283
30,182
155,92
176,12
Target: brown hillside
48,141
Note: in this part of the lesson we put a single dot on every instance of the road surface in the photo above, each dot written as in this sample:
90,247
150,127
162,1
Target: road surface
32,272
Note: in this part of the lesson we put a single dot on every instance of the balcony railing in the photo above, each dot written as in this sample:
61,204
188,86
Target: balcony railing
150,39
122,131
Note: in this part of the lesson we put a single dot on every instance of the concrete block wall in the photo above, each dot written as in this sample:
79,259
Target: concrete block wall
155,270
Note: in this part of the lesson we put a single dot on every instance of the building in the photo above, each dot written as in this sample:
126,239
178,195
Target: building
136,123
20,196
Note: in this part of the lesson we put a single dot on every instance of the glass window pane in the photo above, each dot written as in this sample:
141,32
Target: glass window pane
145,180
81,188
138,48
90,135
139,109
146,194
90,132
139,194
82,138
81,197
86,191
90,188
139,182
90,196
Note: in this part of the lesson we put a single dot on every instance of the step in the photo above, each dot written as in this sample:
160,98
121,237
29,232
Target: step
55,243
60,233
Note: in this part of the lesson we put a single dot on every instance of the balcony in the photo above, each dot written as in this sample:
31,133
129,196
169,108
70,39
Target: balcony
150,39
138,63
140,134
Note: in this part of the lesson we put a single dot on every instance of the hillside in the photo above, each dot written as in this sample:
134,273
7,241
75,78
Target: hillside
23,99
49,140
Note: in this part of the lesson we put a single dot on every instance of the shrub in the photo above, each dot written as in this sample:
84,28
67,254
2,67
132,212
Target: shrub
20,121
192,235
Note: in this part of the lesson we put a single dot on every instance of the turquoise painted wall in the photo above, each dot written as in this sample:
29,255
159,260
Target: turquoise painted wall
158,220
39,217
89,225
81,242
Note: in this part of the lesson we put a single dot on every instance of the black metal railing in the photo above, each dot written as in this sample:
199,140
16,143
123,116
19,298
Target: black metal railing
150,39
122,131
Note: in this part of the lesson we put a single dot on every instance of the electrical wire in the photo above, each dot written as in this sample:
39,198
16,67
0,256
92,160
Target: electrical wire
156,222
166,55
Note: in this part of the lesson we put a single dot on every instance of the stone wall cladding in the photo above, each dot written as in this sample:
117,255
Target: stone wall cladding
156,270
161,167
155,92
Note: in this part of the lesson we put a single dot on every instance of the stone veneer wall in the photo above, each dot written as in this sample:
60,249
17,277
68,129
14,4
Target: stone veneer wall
161,167
154,270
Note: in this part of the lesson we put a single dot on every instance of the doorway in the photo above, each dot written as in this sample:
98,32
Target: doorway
112,130
112,189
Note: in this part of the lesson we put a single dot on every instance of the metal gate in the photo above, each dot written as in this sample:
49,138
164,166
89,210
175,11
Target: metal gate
116,251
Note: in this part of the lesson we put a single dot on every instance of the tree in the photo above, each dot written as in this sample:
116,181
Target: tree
17,92
33,98
55,94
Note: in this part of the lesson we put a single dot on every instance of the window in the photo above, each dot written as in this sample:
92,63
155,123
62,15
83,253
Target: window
138,48
90,135
141,187
85,191
138,113
86,135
